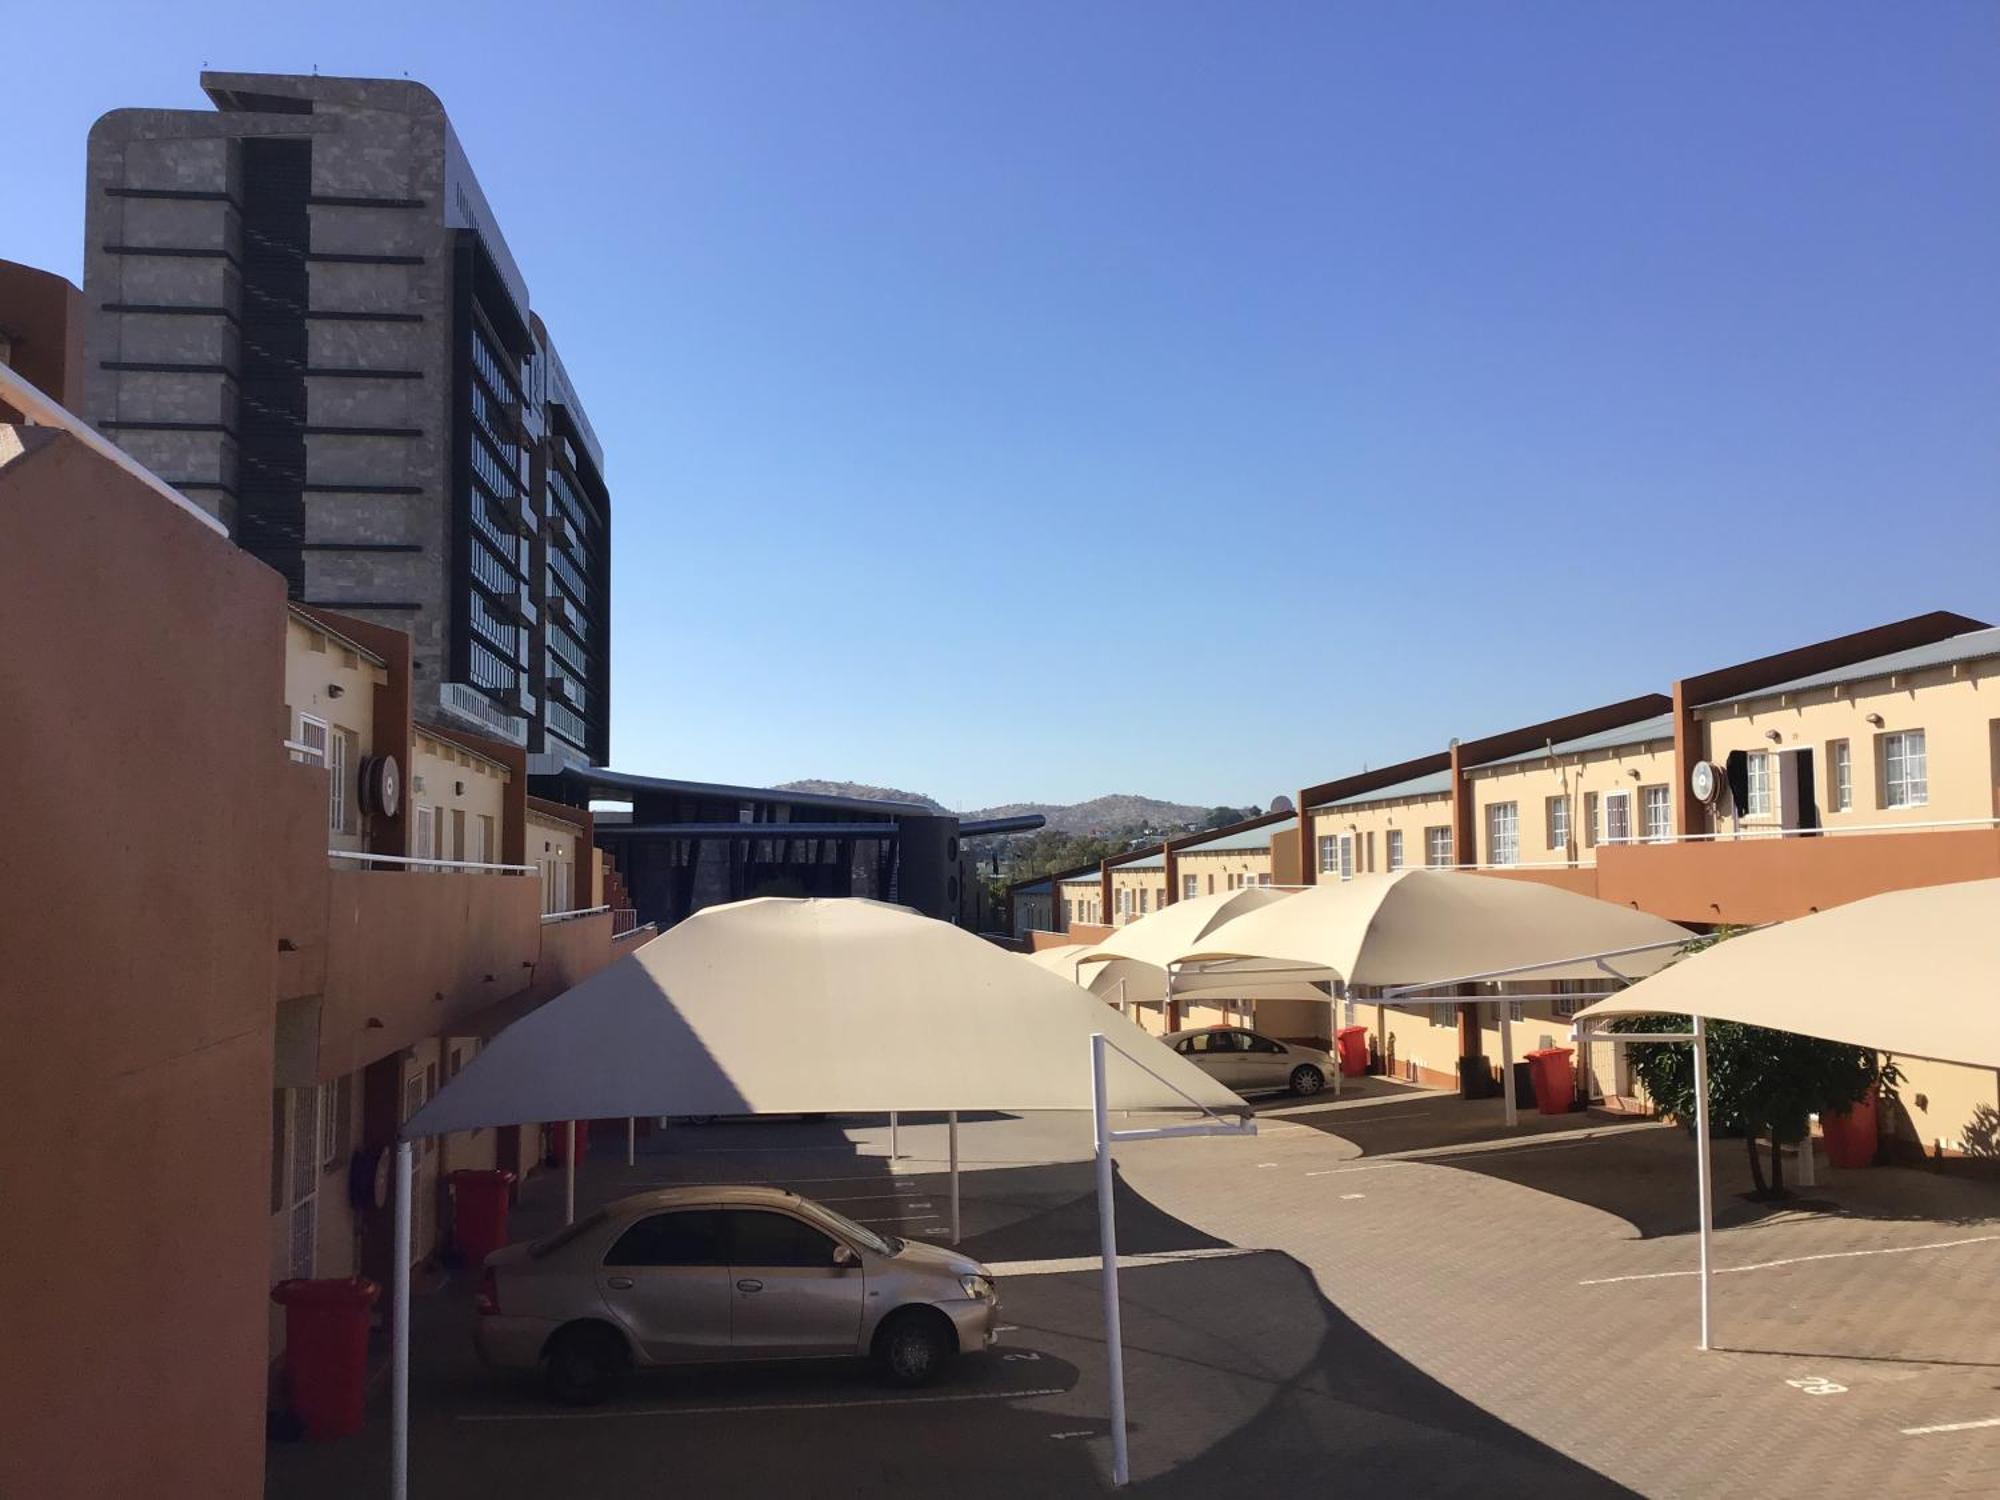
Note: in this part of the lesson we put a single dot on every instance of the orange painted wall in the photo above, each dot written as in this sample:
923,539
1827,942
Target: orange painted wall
1767,880
143,671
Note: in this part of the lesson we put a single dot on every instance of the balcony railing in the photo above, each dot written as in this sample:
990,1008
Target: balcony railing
1747,833
623,919
408,862
571,916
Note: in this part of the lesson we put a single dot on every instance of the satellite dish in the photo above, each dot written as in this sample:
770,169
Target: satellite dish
1281,803
1706,781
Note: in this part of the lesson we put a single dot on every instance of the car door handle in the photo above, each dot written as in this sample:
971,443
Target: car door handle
748,1284
619,1283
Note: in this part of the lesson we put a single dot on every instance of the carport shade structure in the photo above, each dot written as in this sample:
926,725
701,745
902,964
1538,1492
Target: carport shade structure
807,1006
1830,975
1418,930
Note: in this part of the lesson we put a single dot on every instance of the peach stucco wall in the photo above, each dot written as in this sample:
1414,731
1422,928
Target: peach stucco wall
142,685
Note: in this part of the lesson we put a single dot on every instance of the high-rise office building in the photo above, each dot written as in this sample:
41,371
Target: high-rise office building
302,313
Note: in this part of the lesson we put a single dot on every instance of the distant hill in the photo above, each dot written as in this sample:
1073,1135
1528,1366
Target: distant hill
1122,812
861,790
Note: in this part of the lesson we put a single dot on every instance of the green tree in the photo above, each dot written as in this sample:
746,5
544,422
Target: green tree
1761,1083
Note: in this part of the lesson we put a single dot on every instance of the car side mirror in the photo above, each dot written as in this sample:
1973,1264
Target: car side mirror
844,1257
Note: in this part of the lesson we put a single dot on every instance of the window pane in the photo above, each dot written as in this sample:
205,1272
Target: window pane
772,1239
692,1237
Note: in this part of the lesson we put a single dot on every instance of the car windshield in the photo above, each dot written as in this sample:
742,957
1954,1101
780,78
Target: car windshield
867,1239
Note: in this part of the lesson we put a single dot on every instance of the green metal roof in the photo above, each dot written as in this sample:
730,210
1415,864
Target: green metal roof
1435,784
1659,727
1968,647
1246,838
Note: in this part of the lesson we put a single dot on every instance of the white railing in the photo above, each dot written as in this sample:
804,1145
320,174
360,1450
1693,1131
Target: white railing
306,754
624,919
1837,830
619,936
571,916
432,864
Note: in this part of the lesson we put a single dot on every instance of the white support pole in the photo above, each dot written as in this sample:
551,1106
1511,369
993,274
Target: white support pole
399,1335
631,1141
569,1173
1701,1162
1107,1249
1806,1155
893,1153
1500,1008
952,1134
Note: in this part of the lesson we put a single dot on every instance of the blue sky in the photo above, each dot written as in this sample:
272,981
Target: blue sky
1034,401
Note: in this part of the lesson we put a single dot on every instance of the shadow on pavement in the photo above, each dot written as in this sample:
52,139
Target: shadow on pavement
1243,1379
1646,1177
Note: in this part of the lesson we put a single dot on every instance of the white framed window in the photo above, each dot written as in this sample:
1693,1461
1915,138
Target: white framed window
1069,912
334,1121
1759,801
1395,841
1617,808
1441,1015
1557,810
1503,833
1571,996
1347,856
1516,1011
1437,847
1656,807
423,829
1190,887
1840,774
315,733
1329,854
1142,900
1590,800
1905,769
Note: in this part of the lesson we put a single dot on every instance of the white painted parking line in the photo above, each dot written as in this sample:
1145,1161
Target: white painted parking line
1951,1427
1090,1262
1350,1197
1798,1260
711,1411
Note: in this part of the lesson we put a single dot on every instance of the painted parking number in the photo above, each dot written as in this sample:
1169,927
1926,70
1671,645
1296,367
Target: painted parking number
1817,1385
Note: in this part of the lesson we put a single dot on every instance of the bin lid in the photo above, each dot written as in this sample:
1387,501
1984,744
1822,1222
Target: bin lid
356,1291
1551,1052
1350,1030
480,1174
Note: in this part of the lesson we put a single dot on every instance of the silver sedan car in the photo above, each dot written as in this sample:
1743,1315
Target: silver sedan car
693,1275
1246,1062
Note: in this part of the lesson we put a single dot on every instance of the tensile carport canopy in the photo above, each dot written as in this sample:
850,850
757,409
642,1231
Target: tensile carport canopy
844,1006
1913,972
1434,927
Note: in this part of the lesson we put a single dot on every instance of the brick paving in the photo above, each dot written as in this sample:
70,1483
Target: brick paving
1421,1307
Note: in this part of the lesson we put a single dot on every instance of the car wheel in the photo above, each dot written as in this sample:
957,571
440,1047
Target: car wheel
1306,1079
914,1346
586,1364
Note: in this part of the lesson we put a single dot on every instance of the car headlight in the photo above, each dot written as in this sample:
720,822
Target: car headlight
977,1287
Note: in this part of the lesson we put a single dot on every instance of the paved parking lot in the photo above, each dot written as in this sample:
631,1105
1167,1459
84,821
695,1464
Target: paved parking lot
1378,1289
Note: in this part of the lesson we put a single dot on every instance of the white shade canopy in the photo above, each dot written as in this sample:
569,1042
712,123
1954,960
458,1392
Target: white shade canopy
835,1006
1913,972
1112,979
1158,939
1418,927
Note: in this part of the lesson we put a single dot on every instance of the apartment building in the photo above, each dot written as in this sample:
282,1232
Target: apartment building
302,313
1082,898
1396,825
1226,860
1137,884
255,977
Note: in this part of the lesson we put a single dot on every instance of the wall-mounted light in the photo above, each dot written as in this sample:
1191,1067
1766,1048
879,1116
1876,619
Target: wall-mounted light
334,690
1875,719
1773,736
